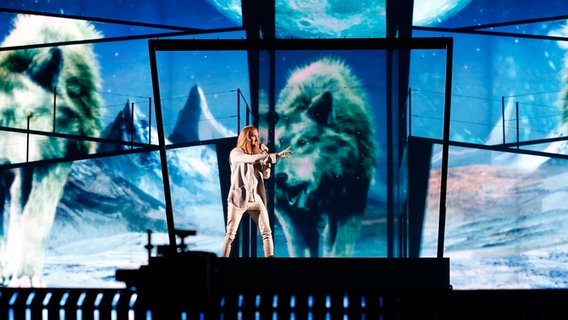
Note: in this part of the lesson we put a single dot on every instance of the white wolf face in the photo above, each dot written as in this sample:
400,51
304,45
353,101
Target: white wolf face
321,192
33,81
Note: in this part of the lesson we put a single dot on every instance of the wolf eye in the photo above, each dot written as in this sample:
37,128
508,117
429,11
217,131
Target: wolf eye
301,143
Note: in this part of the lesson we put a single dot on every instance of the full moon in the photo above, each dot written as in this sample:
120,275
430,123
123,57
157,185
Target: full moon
340,18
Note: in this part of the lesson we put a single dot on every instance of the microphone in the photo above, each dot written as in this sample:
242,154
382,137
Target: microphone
263,148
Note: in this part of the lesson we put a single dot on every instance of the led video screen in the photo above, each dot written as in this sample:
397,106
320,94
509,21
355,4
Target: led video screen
338,162
505,209
330,196
73,223
505,173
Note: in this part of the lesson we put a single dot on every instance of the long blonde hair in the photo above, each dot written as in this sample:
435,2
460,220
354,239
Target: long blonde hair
243,141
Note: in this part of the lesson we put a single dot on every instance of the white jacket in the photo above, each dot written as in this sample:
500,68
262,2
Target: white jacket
248,170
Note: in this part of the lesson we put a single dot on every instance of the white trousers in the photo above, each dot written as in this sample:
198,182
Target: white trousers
259,214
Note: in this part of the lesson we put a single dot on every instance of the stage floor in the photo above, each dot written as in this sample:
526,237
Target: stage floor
201,286
327,274
206,270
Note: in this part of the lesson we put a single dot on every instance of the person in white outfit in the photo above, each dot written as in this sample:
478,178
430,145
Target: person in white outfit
250,165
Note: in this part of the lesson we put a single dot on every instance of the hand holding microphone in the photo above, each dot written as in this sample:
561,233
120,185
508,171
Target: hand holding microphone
263,148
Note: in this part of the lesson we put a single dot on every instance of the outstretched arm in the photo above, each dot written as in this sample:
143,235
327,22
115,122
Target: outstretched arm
238,155
272,157
284,153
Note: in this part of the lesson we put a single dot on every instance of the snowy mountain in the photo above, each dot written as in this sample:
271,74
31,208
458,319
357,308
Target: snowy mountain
121,197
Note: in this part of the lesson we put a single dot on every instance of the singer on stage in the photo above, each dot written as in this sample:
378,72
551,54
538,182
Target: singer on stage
250,165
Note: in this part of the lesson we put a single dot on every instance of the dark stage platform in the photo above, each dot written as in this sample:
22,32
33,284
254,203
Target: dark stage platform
331,274
205,271
199,285
206,279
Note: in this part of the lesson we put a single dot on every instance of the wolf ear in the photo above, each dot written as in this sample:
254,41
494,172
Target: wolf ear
321,109
45,67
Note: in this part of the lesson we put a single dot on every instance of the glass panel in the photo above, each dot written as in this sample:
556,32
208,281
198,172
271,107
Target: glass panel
202,14
466,13
427,81
100,224
504,90
196,197
109,204
502,203
336,177
203,93
102,208
504,224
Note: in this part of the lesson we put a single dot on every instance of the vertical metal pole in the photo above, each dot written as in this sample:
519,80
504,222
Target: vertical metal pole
503,116
28,139
271,133
162,148
132,125
238,110
247,116
445,148
149,245
391,102
517,121
150,120
409,122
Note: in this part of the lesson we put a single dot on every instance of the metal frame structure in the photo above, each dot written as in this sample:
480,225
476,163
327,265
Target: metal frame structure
393,46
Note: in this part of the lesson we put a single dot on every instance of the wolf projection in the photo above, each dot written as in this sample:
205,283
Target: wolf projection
32,79
321,192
